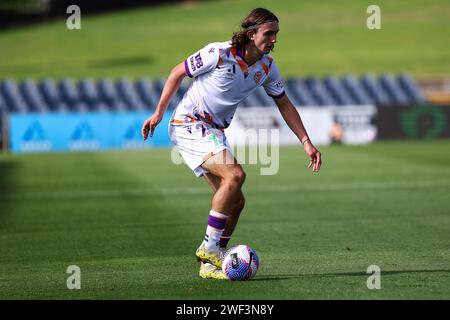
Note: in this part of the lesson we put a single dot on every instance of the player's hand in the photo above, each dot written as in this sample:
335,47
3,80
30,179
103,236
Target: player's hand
314,156
150,125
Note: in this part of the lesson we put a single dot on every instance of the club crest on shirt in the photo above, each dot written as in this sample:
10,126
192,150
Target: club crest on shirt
257,77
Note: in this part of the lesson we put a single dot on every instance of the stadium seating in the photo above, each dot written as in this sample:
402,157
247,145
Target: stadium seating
374,90
338,91
408,86
393,89
12,97
299,93
3,106
263,98
143,94
91,96
109,95
147,92
159,85
70,94
356,91
319,92
129,96
52,96
32,97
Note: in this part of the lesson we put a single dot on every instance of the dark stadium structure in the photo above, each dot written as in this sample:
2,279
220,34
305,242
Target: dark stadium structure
104,95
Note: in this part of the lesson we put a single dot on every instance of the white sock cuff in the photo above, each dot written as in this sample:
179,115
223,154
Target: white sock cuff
217,214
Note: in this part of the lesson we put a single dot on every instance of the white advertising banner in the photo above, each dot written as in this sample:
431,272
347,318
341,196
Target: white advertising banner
357,122
252,126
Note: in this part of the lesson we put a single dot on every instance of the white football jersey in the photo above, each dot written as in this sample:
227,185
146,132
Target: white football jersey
222,80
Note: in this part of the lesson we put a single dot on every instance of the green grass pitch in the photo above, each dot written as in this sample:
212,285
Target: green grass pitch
131,220
316,38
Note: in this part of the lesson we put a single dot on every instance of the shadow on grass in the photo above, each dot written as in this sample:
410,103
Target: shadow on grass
338,274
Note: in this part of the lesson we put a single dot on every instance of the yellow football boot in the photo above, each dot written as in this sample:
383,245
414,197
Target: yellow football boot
209,271
213,257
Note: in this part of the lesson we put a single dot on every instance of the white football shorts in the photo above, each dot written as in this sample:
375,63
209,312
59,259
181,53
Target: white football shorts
196,143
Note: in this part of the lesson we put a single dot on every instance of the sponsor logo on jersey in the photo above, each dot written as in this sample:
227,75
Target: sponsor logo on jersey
196,62
279,84
191,60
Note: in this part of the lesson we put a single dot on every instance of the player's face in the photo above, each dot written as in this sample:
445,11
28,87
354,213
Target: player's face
266,36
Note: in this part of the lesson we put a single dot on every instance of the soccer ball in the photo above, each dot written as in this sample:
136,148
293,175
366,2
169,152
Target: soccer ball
240,263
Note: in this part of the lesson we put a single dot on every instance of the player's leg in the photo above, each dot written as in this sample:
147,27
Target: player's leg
228,192
207,270
214,182
196,143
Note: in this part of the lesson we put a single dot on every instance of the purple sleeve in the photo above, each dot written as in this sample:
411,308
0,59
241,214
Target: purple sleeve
187,69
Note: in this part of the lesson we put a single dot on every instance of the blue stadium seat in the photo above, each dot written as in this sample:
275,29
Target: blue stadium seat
411,90
12,97
292,93
356,90
128,95
374,90
99,106
184,86
51,96
264,98
3,107
159,85
70,94
147,93
393,90
338,92
32,97
107,91
88,93
109,95
318,91
144,94
80,106
299,93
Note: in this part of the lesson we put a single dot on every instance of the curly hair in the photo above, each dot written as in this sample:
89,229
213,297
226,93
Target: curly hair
254,19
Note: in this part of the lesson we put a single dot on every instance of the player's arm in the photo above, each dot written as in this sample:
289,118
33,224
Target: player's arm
170,88
294,121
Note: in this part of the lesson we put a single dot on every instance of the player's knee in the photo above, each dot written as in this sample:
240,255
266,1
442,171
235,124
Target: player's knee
238,177
234,179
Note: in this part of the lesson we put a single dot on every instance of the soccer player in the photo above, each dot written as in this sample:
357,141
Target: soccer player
224,73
